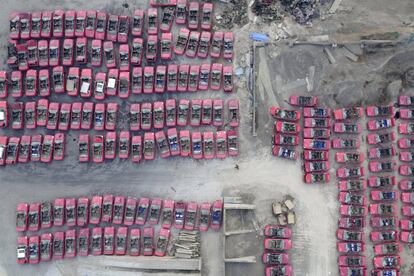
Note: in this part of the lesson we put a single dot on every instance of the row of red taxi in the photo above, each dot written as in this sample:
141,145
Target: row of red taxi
100,25
406,157
119,210
46,53
96,241
101,116
350,237
32,148
81,82
278,240
198,145
384,234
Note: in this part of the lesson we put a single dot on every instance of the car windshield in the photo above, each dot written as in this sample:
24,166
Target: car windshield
15,84
98,118
386,209
384,110
35,24
70,213
167,15
129,212
110,116
136,50
166,216
179,216
23,150
35,149
57,247
353,247
207,112
109,242
120,242
69,245
33,251
53,53
81,211
353,261
100,24
45,24
203,45
123,145
147,242
165,46
57,213
52,116
45,212
82,243
134,244
122,27
154,211
109,55
195,112
389,262
21,219
185,144
148,147
218,113
118,210
162,243
136,150
69,24
97,242
109,145
181,11
57,79
181,42
95,211
348,143
136,24
137,81
159,80
80,24
152,21
351,127
44,247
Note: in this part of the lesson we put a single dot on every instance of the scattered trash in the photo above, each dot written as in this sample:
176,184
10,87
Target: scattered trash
335,6
283,211
310,78
267,10
234,14
259,37
330,55
187,245
409,77
239,72
302,10
346,52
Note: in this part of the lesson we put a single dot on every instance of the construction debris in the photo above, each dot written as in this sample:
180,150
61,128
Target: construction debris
283,211
335,6
329,55
268,10
303,10
235,13
187,245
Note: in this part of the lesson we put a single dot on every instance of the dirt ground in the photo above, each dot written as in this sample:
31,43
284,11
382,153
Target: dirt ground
376,78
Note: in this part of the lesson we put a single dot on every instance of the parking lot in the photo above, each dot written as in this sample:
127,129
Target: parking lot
375,79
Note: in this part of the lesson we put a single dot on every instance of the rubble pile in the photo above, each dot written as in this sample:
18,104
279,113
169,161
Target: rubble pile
284,212
187,245
302,10
234,14
268,12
